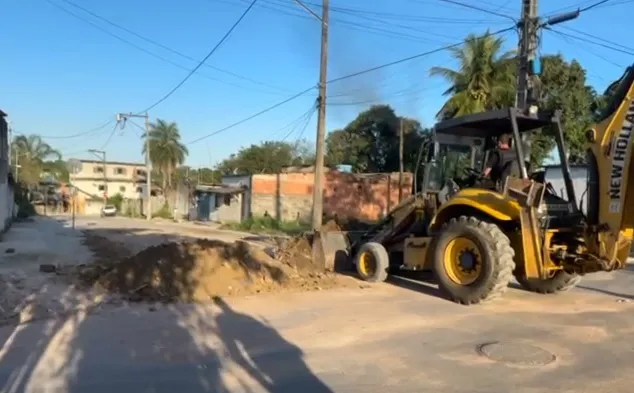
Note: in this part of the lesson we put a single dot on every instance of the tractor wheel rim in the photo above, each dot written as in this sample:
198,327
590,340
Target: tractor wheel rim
367,263
462,261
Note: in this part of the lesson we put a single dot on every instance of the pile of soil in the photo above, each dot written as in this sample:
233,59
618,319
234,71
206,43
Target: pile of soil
197,271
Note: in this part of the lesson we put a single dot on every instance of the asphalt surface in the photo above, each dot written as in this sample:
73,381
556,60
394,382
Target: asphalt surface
397,337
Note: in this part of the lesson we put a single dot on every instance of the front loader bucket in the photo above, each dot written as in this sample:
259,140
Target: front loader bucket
331,249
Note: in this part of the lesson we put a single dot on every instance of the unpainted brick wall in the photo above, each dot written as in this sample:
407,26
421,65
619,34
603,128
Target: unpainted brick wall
289,195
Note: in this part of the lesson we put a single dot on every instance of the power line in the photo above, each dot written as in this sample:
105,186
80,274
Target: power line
91,131
270,108
473,7
148,52
578,6
153,42
593,5
114,129
351,25
213,50
431,52
616,44
293,123
627,52
306,117
337,80
568,40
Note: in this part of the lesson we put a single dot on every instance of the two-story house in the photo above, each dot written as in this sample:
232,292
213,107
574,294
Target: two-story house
99,179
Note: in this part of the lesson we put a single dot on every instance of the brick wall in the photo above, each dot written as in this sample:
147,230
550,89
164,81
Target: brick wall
288,196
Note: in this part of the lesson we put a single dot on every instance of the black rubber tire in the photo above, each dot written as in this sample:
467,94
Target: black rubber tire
381,260
559,282
497,264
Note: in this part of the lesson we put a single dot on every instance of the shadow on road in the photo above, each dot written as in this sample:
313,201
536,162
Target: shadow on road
152,348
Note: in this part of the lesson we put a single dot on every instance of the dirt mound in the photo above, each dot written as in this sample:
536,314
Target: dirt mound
297,253
198,270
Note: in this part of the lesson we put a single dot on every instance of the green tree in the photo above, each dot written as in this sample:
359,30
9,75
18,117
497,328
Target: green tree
32,152
484,80
564,87
58,169
267,157
166,150
370,143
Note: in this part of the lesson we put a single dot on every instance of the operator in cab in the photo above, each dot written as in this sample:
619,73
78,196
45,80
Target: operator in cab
502,162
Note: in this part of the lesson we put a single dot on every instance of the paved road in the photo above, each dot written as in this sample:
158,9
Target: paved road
396,337
385,338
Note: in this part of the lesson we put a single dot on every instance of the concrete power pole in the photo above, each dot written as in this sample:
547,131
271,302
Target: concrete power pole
105,173
148,162
148,168
318,187
400,161
527,67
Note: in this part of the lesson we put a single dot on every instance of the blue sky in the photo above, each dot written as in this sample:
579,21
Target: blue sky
63,76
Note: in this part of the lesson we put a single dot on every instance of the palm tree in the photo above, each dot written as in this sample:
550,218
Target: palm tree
485,79
32,152
166,150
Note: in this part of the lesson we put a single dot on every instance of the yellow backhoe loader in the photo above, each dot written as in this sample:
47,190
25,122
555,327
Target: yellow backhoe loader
475,237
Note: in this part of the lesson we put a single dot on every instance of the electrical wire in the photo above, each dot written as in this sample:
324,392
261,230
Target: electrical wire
351,25
593,5
569,41
114,130
473,7
625,51
389,15
270,108
306,117
213,50
303,130
427,53
153,42
337,80
295,122
91,131
578,7
148,52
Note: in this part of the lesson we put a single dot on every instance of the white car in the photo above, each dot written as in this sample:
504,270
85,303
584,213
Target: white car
108,211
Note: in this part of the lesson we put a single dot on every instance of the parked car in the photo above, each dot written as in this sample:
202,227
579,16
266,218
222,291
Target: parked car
108,211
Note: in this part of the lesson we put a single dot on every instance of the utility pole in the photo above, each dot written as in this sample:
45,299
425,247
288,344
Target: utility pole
400,161
529,66
318,187
102,154
528,26
148,162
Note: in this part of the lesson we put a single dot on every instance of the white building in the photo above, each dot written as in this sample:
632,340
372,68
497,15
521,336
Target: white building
7,201
98,179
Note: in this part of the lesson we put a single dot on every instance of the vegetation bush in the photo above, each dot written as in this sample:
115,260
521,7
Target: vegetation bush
116,200
164,212
267,224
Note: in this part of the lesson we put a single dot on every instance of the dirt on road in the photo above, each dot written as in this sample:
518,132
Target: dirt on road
198,270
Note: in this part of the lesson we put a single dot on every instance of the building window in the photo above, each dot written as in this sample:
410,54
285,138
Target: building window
122,188
227,199
101,187
97,169
139,189
119,171
140,172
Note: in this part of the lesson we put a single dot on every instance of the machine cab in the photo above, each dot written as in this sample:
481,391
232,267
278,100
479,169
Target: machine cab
452,160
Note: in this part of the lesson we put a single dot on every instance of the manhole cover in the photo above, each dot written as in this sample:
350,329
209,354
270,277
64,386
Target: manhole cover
516,353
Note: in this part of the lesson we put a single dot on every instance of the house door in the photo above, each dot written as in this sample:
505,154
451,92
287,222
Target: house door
203,207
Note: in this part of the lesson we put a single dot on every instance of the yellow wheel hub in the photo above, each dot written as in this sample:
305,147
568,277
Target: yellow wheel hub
367,264
462,261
